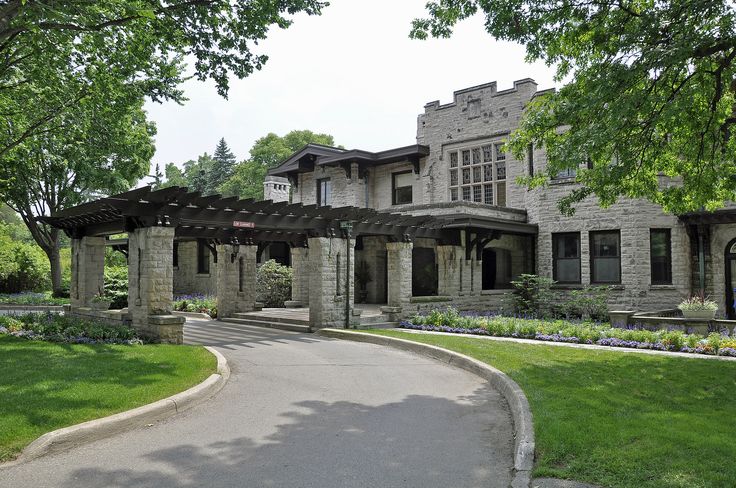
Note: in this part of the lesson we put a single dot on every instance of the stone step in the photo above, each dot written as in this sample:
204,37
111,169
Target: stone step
268,324
373,319
271,318
379,325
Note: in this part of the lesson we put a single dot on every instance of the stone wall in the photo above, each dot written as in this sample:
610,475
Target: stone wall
327,300
300,277
88,270
186,279
236,279
276,188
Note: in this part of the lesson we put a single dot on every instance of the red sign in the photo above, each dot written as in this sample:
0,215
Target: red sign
243,225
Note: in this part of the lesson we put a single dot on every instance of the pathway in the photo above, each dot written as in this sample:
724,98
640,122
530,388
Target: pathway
305,411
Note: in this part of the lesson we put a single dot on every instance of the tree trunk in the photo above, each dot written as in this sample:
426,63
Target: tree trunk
54,255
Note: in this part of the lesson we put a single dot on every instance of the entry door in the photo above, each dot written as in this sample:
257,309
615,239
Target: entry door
730,263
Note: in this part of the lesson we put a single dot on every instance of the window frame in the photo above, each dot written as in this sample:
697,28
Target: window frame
321,193
593,258
667,258
555,259
477,161
394,188
203,256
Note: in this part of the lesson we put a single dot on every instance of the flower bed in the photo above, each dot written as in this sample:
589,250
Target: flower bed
196,303
59,328
31,298
572,332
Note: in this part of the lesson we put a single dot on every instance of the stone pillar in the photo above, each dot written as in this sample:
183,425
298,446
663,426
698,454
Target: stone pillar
399,274
236,279
151,284
300,277
330,273
449,261
88,270
476,268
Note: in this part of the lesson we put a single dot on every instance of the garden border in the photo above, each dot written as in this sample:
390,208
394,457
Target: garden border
521,414
31,308
92,430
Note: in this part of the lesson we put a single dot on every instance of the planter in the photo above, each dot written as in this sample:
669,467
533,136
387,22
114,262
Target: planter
101,304
699,314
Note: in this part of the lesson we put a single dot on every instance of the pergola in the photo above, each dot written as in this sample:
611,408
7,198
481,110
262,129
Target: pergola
233,228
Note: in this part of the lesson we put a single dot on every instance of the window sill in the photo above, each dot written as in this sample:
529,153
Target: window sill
562,181
429,299
203,275
499,291
662,287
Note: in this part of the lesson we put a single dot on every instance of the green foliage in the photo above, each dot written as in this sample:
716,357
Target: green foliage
649,108
61,328
29,298
268,152
698,303
197,304
532,295
116,286
273,284
223,164
23,266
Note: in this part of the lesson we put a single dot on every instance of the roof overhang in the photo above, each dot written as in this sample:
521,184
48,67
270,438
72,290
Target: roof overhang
411,154
723,216
489,223
303,160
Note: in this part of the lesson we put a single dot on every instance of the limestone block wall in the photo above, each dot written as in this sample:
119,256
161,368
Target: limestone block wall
634,219
381,185
236,279
449,263
88,270
329,269
399,273
345,191
186,279
476,115
276,188
300,273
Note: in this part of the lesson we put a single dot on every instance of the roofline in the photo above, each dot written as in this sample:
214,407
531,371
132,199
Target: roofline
380,157
325,150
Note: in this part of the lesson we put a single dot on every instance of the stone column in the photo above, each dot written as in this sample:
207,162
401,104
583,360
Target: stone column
88,270
300,277
330,273
236,279
399,274
449,261
476,273
151,284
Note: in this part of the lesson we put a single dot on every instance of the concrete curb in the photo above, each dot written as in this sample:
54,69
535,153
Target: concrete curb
520,412
75,435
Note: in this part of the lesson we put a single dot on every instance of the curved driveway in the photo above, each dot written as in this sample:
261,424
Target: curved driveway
305,411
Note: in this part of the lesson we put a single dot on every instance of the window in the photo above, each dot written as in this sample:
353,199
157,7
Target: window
324,192
660,247
530,158
566,173
605,257
566,257
203,257
481,175
402,183
500,154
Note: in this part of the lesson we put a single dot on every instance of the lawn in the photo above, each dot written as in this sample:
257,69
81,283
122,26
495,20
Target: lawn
45,386
618,419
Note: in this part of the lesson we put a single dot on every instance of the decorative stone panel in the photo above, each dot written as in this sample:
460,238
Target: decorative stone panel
236,279
88,270
330,272
399,273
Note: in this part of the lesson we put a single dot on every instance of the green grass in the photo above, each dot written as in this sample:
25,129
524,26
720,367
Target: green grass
618,419
46,386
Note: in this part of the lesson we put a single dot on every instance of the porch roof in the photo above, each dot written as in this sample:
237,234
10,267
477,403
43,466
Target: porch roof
722,216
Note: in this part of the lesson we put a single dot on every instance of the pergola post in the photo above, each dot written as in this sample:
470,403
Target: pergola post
88,270
300,277
399,264
449,261
236,279
151,284
331,275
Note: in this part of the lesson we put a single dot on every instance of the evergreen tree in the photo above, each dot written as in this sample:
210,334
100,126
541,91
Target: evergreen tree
223,165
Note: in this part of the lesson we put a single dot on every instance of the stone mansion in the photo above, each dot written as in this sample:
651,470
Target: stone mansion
438,223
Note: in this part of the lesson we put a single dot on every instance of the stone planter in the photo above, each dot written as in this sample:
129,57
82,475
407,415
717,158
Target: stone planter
699,314
101,304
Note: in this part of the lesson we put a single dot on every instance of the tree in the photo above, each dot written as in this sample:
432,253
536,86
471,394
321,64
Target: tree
650,107
158,177
104,145
268,152
223,164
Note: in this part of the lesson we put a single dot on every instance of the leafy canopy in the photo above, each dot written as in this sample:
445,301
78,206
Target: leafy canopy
650,106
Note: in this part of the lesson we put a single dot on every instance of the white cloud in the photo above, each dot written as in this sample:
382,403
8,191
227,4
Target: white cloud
352,72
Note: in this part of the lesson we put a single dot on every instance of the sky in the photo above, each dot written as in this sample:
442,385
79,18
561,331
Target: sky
352,72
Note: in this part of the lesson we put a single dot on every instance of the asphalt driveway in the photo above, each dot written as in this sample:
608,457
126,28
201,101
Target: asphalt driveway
305,411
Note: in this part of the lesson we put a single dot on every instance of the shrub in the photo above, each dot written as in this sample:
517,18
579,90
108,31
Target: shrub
196,303
532,296
116,286
61,328
23,267
273,284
